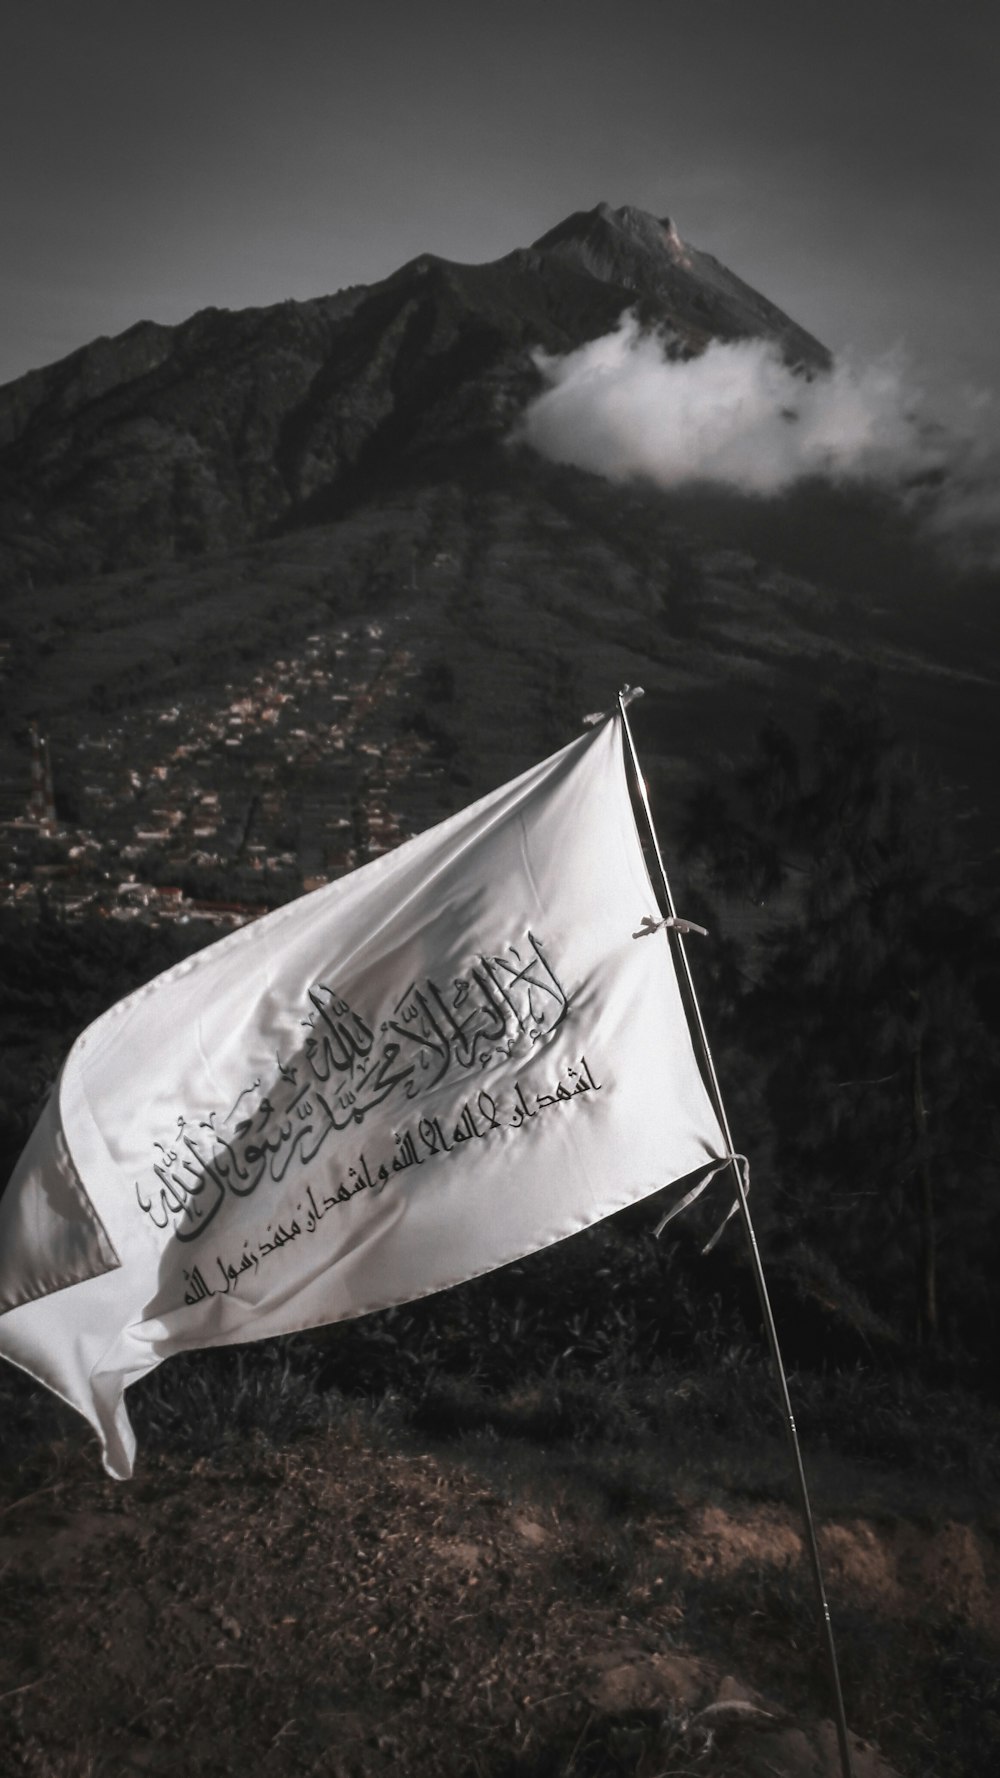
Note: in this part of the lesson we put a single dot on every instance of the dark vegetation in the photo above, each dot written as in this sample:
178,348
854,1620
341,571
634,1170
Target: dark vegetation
867,1020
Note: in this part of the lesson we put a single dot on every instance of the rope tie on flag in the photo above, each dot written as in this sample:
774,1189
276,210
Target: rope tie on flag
672,923
729,1160
628,695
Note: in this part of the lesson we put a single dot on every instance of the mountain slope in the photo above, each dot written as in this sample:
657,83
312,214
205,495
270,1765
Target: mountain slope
184,510
170,442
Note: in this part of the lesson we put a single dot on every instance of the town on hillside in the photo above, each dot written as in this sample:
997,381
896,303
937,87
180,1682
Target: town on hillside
226,805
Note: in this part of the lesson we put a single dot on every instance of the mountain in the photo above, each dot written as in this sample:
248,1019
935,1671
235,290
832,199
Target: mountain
693,292
326,494
171,441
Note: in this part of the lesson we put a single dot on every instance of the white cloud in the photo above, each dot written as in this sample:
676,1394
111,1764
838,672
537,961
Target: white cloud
737,414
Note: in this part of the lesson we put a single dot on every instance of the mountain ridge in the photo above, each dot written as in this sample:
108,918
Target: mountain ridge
185,507
166,442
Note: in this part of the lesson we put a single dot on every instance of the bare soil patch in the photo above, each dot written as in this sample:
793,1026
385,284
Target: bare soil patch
347,1609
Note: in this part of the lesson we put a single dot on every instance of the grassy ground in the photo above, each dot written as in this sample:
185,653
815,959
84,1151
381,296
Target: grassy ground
593,1569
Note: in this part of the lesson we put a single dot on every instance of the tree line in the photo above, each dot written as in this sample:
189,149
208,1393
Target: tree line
861,1019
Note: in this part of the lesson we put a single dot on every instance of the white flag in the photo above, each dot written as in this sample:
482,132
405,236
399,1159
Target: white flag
466,1050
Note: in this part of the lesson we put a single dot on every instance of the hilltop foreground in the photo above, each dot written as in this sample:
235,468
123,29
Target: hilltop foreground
590,1573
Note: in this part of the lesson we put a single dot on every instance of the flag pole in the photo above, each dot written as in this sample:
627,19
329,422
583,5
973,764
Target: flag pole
812,1545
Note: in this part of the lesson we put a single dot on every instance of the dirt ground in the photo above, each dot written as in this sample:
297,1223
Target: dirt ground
347,1609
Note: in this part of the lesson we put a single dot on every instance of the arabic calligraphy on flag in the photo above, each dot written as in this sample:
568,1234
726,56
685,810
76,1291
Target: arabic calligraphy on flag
454,1056
343,1073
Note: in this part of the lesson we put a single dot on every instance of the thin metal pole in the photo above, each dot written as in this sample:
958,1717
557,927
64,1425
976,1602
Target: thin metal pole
758,1269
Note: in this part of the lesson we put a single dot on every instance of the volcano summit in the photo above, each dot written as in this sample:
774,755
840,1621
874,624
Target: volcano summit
168,442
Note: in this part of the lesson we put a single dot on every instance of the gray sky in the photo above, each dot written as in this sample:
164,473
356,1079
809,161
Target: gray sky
163,155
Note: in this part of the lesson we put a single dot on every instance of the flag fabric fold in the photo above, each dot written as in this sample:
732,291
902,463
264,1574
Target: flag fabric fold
452,1057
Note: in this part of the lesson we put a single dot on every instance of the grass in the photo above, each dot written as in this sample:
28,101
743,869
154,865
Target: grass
612,1460
617,1434
509,1367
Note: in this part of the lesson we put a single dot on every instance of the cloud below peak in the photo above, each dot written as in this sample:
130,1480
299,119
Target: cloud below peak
621,407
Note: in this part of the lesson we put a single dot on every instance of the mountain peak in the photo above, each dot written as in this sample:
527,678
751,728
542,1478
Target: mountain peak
656,234
604,237
700,297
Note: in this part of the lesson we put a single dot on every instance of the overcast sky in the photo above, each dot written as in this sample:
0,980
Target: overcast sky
163,155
